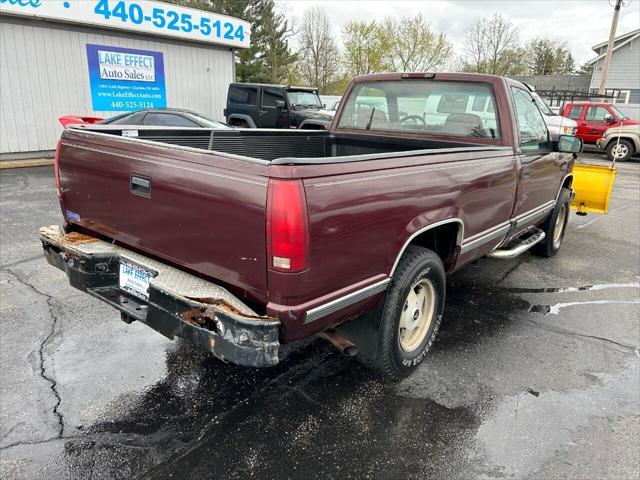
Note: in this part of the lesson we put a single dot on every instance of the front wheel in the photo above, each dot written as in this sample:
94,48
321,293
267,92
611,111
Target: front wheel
412,313
555,226
620,151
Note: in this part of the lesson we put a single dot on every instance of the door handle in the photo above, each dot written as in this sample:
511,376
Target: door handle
141,185
525,172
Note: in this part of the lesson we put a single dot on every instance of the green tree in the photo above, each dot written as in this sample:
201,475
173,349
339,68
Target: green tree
268,58
413,46
271,37
585,69
366,48
549,57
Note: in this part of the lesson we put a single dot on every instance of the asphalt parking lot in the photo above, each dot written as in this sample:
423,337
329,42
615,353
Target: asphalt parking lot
535,375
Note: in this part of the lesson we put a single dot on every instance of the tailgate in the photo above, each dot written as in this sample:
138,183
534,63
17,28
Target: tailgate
195,209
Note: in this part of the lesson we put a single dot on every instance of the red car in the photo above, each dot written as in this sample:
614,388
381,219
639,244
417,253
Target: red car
594,119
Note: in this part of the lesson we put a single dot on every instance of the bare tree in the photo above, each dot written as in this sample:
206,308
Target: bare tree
319,55
413,46
492,46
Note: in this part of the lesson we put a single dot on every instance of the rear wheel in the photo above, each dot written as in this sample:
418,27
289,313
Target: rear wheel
620,151
412,313
555,226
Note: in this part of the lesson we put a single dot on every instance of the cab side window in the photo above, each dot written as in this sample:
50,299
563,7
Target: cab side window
532,128
575,112
243,95
596,114
271,97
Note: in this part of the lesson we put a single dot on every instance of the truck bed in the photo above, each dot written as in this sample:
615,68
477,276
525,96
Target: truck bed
284,146
203,210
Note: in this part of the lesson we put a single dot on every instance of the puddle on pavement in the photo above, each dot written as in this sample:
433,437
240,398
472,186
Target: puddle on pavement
314,415
525,430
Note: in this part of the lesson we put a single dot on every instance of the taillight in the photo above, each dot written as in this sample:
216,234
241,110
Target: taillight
287,226
56,166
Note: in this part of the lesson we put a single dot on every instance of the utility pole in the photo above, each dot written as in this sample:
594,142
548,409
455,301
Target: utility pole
607,58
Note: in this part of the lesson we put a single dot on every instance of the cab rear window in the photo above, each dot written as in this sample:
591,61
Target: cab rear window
433,107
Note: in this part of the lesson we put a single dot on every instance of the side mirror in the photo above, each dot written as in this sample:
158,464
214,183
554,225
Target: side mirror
280,104
609,119
569,144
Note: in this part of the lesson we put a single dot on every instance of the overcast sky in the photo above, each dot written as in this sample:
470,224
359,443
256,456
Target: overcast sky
579,23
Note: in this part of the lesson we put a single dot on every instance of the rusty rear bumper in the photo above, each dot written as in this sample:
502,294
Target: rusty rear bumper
179,304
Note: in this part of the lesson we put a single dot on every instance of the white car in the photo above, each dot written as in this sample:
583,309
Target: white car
556,124
331,108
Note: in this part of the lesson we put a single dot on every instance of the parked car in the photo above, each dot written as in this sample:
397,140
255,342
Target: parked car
255,105
557,124
164,117
331,108
346,234
78,120
594,119
620,143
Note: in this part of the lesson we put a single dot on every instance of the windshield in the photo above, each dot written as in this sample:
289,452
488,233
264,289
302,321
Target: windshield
305,98
618,113
544,108
438,108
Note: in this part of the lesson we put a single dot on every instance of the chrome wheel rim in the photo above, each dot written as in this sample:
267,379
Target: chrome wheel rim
417,315
559,226
620,151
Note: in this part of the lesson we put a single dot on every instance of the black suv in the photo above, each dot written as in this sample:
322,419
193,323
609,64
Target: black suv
255,105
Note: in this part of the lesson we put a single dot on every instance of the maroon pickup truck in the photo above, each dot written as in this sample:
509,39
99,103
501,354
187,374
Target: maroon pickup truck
239,240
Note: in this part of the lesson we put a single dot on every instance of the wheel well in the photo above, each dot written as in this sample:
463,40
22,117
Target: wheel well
568,182
442,240
311,126
614,139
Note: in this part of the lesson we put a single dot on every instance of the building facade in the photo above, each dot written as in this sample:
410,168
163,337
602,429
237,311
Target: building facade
52,65
623,79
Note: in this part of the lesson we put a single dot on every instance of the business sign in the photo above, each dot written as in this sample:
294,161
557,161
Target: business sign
143,16
125,79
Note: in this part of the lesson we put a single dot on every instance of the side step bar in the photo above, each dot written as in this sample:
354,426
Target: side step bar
520,246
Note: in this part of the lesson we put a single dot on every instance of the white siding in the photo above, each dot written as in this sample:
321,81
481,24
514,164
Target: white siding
44,75
624,70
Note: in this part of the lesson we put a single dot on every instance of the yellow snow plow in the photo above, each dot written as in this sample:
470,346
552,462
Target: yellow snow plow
593,185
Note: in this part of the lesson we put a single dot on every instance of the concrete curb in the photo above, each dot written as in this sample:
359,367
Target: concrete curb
38,162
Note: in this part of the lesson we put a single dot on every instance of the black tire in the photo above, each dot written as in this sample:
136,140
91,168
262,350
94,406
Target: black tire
625,146
419,268
552,241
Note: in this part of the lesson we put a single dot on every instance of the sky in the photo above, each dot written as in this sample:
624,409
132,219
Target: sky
579,23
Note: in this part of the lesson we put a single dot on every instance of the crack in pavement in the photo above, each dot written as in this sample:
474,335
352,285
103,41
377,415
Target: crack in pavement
43,344
5,266
568,332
